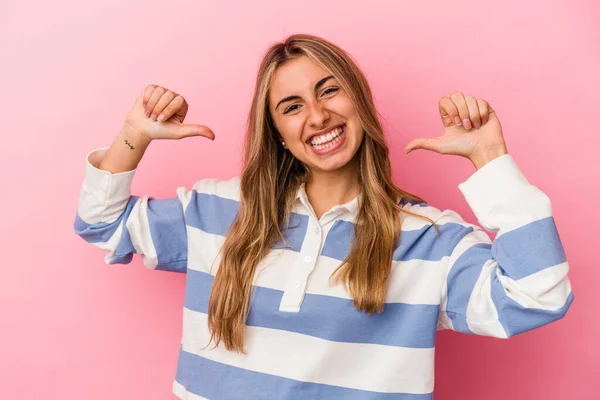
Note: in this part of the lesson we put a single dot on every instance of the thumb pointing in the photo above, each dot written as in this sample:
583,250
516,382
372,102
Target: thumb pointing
433,144
188,130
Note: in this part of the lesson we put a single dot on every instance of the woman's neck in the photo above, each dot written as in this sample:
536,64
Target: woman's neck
327,189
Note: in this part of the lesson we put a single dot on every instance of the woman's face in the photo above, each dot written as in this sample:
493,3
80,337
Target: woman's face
314,115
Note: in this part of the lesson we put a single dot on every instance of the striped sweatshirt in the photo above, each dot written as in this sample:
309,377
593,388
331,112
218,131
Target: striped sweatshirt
304,338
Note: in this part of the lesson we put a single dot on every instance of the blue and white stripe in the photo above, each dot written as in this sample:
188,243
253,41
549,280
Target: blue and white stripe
304,338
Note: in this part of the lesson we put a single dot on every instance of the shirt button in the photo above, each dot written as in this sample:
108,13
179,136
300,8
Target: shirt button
307,258
297,284
317,230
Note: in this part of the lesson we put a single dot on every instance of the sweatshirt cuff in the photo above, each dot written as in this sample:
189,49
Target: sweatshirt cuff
494,184
104,185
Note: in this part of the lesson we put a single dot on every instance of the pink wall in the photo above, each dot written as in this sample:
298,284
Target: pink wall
75,328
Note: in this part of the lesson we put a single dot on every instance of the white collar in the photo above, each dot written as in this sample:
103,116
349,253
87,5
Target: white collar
350,206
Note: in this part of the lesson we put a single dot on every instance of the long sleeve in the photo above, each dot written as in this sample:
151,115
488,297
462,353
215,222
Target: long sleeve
110,218
519,281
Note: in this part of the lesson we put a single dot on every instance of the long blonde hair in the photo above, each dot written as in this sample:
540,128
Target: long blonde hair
270,179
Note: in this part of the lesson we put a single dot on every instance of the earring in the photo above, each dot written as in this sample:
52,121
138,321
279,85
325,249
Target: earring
283,144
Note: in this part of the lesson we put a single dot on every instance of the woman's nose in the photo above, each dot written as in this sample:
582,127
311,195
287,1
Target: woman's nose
318,115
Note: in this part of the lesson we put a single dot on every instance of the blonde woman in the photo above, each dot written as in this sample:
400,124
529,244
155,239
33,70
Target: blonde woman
312,275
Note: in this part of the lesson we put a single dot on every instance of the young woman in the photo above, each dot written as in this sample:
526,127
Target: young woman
312,274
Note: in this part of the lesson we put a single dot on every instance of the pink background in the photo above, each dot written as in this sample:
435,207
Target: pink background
75,328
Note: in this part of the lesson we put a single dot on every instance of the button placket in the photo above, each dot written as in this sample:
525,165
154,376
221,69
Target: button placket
305,264
312,246
306,259
315,249
317,229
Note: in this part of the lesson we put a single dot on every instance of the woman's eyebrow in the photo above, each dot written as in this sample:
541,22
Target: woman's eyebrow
296,97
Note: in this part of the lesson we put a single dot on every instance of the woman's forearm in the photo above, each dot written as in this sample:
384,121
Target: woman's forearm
125,152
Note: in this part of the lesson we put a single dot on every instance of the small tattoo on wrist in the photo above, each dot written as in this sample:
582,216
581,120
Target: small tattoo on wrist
129,144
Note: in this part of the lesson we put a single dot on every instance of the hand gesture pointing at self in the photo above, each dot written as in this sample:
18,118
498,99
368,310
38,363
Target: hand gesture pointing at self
471,130
159,113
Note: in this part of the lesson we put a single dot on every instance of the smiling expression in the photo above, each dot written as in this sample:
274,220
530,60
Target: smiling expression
314,115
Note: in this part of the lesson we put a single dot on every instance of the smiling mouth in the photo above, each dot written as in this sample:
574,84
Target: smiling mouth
328,140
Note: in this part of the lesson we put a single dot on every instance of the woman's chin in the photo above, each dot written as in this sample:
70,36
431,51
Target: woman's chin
332,163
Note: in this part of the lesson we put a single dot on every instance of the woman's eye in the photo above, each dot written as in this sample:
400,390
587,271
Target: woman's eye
326,91
290,108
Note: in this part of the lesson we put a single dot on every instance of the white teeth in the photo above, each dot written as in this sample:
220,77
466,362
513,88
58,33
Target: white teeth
336,135
316,141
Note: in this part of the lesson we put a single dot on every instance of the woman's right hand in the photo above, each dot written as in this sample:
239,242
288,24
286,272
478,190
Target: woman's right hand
155,101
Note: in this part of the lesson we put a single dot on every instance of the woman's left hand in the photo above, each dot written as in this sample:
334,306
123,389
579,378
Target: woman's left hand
471,130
